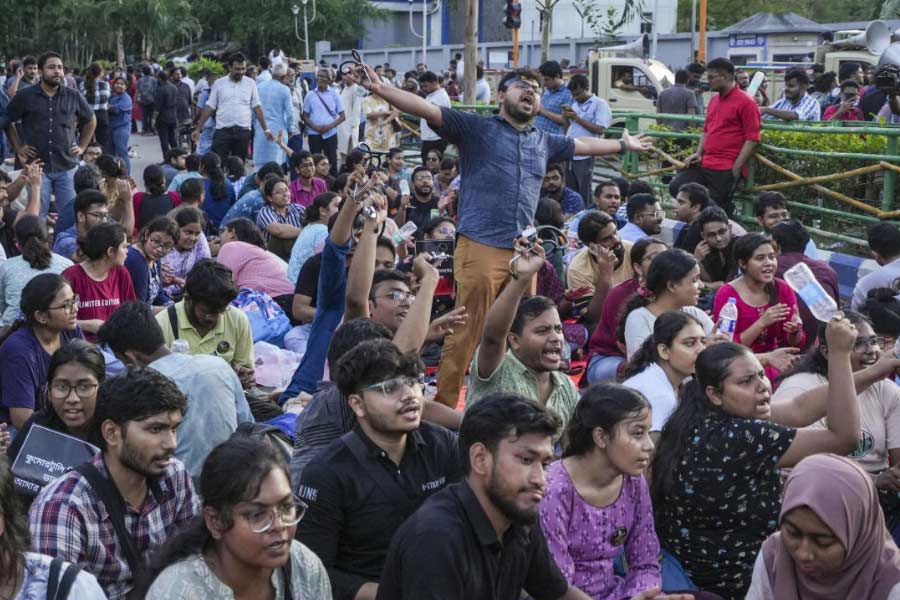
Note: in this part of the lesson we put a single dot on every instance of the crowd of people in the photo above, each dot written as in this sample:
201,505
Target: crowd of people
502,379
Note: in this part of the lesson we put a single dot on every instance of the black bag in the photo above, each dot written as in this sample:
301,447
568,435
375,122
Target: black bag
58,589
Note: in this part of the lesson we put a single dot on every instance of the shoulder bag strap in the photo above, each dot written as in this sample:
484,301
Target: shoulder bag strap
65,586
173,320
325,104
53,579
287,578
115,505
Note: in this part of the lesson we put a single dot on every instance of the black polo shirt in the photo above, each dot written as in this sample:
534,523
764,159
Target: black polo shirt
449,550
358,498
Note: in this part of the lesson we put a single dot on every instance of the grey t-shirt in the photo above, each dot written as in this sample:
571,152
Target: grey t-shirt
676,100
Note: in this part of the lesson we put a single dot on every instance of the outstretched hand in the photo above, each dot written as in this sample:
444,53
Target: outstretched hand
637,143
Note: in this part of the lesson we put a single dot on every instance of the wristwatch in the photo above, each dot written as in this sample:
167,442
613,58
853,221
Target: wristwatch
621,145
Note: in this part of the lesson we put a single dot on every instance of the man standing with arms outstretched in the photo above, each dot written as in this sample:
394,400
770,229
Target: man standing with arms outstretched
503,159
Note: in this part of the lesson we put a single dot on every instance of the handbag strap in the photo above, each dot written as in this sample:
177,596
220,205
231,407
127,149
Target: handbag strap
59,589
115,505
325,104
173,320
287,578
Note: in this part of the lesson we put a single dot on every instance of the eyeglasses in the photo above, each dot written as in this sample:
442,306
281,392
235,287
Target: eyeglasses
161,245
721,233
70,306
526,85
876,341
656,214
398,296
61,389
262,519
446,231
392,387
100,216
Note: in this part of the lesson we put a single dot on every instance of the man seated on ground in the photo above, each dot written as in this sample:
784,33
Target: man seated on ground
191,171
421,204
715,253
884,243
135,424
521,347
554,187
251,202
791,237
212,389
205,319
174,163
692,199
362,486
604,262
607,199
480,538
645,217
770,209
91,208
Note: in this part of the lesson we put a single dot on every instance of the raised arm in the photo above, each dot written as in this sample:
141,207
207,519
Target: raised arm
412,332
362,269
415,105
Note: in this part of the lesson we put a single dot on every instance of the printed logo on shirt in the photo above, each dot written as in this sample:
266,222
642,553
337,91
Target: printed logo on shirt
100,302
434,485
308,493
223,347
866,443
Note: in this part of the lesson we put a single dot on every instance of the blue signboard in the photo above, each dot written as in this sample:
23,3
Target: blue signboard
747,40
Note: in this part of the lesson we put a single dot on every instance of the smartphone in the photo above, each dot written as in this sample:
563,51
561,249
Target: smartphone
404,187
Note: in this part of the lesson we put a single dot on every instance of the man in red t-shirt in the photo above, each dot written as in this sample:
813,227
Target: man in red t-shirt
730,136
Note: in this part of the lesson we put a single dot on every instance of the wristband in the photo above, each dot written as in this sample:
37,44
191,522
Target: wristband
621,145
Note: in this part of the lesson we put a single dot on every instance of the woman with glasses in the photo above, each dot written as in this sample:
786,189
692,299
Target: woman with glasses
73,377
36,258
143,262
50,309
279,220
879,409
242,545
433,161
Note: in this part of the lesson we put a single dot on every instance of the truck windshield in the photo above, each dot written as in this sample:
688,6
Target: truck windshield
662,74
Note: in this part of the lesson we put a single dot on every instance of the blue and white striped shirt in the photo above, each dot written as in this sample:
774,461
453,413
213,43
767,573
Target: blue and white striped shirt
807,108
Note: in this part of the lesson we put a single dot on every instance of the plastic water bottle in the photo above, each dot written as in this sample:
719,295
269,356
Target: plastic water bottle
803,282
405,232
180,346
728,317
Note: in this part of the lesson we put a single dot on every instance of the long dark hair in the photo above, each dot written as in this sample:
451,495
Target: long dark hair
744,247
99,239
211,165
602,405
665,329
814,361
91,75
16,539
38,295
154,180
319,204
31,234
246,231
883,310
713,366
222,487
85,354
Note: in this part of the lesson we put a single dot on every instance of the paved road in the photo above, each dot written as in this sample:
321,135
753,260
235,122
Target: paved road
148,152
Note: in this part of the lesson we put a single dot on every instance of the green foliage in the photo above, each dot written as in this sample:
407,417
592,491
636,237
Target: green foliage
198,66
723,13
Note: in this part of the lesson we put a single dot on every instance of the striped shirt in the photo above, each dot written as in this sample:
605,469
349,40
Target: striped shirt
807,108
101,95
267,214
68,520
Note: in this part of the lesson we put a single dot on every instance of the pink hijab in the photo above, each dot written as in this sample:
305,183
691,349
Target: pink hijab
845,498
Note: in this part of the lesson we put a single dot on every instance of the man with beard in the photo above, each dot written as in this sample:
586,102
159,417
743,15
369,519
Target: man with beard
362,486
645,217
48,113
135,475
232,99
715,253
603,263
692,199
796,104
554,187
742,78
521,348
607,198
504,159
422,205
480,538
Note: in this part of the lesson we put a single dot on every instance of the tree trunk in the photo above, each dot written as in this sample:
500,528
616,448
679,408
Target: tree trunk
120,48
546,25
470,52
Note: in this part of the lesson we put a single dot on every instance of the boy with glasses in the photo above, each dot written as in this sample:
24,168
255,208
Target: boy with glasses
91,209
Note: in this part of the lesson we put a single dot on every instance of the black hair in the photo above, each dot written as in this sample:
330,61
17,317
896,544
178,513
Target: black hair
246,231
436,222
448,162
352,333
699,69
639,187
591,224
84,353
269,184
222,487
371,362
515,75
92,73
264,62
607,183
716,64
187,215
160,224
825,81
882,309
192,162
270,168
16,538
100,238
640,247
799,75
479,72
665,329
500,415
530,308
383,242
712,214
556,167
85,199
637,203
30,60
550,68
132,327
299,157
623,183
163,77
340,182
234,167
850,83
768,200
428,77
211,165
884,239
791,236
697,194
814,360
713,366
681,76
318,206
210,283
602,405
154,180
847,70
135,395
236,57
173,153
387,275
744,247
31,234
355,157
39,294
191,189
42,59
578,82
549,212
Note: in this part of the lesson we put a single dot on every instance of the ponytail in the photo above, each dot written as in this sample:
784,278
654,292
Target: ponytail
32,237
211,165
665,329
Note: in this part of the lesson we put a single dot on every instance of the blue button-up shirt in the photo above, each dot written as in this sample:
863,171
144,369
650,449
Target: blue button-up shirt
553,101
501,172
322,108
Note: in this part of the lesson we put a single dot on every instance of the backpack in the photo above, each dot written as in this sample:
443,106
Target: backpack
58,588
147,89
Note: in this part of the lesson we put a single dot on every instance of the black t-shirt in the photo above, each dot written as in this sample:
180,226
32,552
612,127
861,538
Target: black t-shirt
420,213
448,550
689,237
358,498
154,206
308,279
7,232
